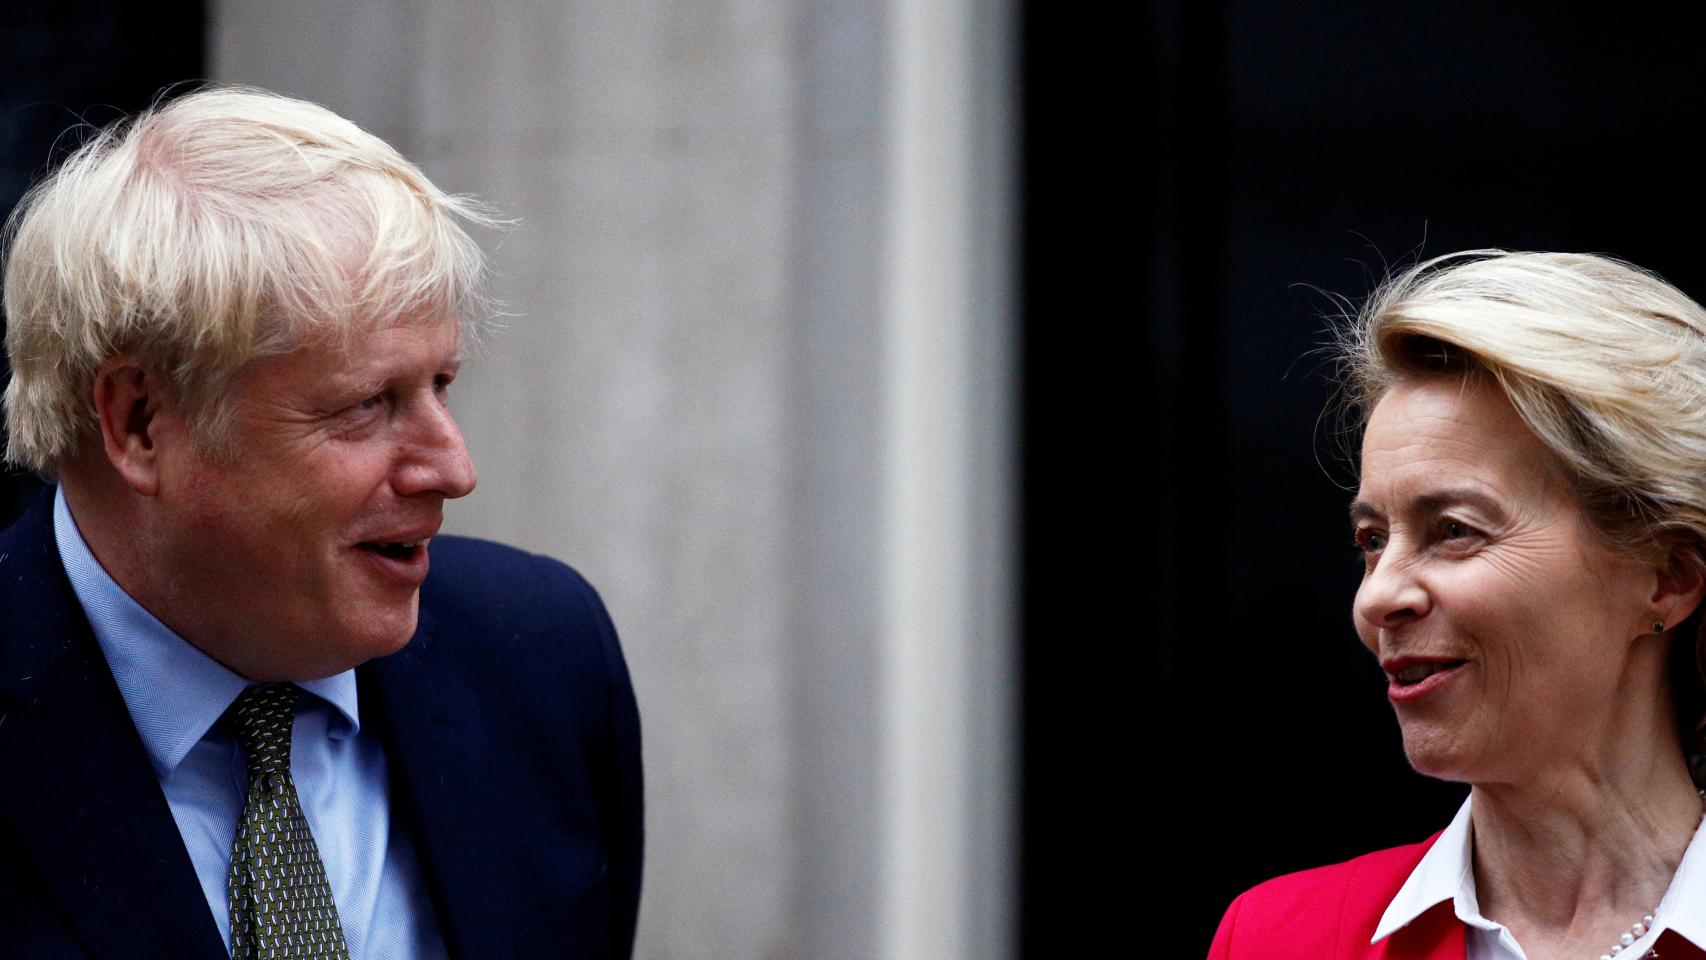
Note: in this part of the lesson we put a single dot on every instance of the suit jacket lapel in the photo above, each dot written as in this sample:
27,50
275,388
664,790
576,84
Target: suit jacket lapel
438,751
76,786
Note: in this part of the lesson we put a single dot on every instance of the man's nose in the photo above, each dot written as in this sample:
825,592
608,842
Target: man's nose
437,459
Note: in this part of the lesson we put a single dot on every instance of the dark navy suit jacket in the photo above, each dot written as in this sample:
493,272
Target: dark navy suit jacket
509,727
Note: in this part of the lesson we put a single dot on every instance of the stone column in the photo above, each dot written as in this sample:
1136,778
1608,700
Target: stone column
754,384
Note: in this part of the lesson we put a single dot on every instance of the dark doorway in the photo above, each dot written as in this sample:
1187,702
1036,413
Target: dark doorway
67,65
1198,714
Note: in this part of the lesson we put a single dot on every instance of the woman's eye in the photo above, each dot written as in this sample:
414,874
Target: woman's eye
1454,529
1369,540
371,403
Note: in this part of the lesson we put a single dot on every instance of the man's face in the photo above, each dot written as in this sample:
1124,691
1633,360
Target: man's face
303,554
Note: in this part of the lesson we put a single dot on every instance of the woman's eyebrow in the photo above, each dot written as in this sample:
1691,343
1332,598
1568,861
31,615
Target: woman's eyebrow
1432,501
1363,510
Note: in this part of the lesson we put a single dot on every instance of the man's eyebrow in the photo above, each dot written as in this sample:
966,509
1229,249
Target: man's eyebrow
352,382
1432,502
374,378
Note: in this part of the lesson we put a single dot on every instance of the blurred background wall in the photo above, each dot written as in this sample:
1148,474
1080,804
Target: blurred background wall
755,383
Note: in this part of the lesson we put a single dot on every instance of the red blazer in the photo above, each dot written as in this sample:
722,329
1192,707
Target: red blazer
1330,913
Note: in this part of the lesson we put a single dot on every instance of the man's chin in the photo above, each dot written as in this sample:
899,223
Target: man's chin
392,630
381,632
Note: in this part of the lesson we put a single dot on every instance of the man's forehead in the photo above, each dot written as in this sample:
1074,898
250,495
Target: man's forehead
372,353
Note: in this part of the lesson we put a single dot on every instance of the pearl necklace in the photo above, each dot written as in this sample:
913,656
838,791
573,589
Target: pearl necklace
1635,932
1646,922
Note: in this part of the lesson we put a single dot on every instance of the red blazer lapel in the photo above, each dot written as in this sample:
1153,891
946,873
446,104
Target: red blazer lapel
1674,946
1435,935
1330,913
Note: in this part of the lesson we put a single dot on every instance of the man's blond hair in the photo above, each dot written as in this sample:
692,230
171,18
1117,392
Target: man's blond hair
222,226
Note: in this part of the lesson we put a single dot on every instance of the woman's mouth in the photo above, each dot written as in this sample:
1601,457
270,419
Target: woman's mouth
1412,678
1416,673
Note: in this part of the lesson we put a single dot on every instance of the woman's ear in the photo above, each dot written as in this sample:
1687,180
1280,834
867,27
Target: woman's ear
128,400
1681,582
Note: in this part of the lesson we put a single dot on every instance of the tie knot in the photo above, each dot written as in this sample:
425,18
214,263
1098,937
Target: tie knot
262,717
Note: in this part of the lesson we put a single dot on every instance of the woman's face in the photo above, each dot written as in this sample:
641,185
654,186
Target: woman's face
1504,628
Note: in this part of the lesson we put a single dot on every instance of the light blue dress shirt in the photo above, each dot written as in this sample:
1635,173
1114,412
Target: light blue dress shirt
176,694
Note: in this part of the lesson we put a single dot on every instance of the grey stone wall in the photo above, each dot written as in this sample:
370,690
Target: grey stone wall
702,398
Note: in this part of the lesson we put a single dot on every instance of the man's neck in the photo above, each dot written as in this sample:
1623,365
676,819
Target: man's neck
114,531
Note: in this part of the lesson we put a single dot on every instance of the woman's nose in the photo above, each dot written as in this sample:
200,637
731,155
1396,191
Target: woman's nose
1392,593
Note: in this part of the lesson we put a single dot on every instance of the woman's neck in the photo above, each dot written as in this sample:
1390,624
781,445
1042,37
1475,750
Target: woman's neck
1574,857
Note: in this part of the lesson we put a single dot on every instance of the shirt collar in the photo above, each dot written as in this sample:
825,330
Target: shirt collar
1445,873
1680,909
175,693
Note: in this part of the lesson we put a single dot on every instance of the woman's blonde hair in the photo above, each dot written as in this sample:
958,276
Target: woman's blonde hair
1604,362
221,226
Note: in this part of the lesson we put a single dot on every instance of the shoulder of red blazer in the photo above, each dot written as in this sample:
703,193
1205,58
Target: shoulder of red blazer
1331,912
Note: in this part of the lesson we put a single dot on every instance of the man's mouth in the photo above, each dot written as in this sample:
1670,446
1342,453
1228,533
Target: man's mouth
395,549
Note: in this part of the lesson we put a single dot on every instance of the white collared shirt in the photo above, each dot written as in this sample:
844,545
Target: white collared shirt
1447,872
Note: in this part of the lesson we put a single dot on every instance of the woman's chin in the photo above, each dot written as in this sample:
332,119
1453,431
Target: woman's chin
1432,754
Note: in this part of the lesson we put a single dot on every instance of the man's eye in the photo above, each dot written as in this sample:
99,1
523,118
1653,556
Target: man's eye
1455,529
441,383
371,403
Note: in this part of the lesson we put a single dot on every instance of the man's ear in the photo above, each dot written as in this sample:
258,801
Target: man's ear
1681,583
128,401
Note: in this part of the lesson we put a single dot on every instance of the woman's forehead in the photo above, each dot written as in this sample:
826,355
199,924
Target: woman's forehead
1441,433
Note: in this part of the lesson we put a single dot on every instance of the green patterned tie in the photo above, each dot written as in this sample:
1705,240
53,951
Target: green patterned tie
281,904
